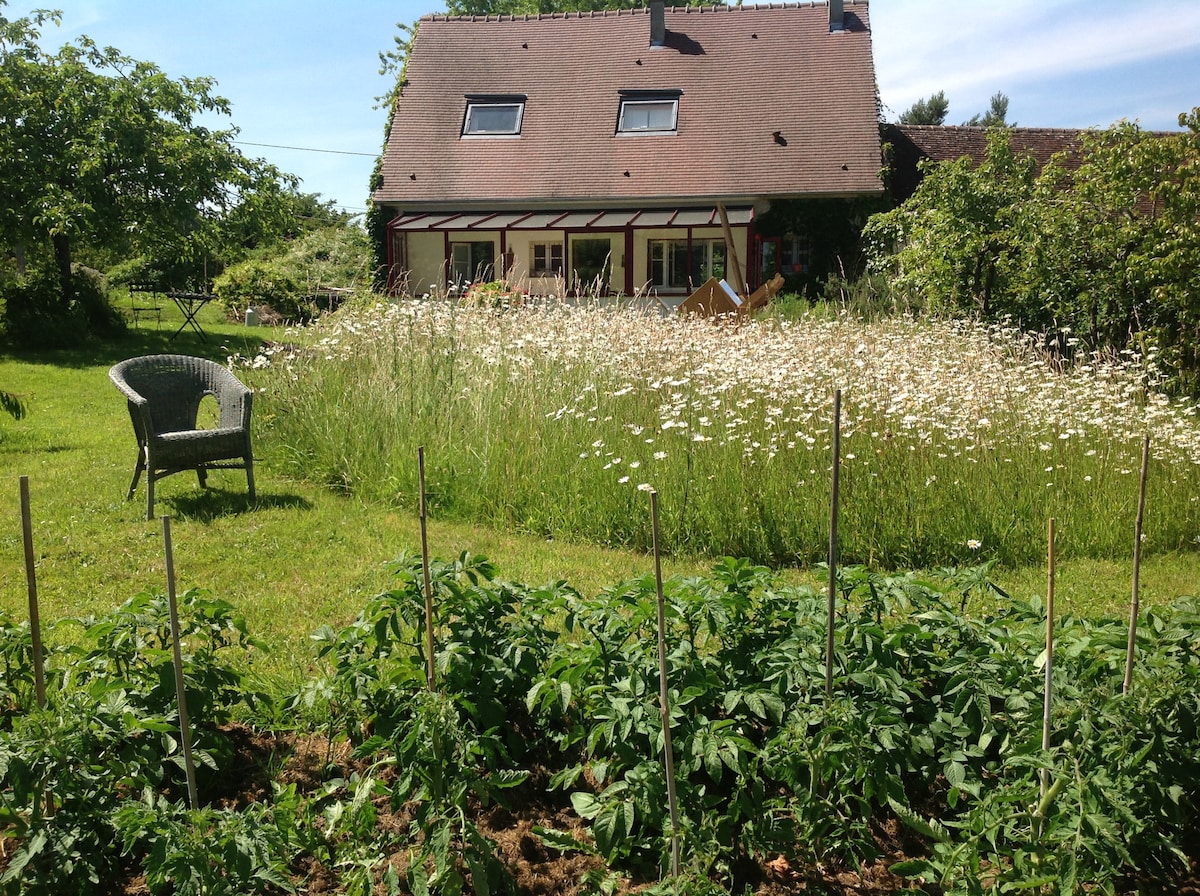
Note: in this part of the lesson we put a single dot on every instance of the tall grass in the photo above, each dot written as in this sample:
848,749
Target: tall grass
959,440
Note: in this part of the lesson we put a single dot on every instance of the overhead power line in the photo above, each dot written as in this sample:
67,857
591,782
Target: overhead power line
336,152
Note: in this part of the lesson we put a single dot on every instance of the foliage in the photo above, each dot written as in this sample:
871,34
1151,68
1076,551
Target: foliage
103,151
450,749
293,277
932,721
212,852
996,115
953,246
34,316
1101,244
832,229
730,422
935,722
931,110
110,728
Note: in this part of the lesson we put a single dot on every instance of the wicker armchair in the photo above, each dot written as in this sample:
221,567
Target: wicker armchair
164,394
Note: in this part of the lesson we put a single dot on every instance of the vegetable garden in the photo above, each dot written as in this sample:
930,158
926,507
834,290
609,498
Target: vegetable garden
921,768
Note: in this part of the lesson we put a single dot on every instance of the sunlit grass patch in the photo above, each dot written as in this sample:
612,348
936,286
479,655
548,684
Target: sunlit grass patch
958,440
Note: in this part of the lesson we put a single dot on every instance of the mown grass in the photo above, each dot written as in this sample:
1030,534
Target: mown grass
307,554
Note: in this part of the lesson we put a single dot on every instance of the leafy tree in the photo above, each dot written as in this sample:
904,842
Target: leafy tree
951,247
995,117
1113,244
1102,248
927,111
294,277
102,153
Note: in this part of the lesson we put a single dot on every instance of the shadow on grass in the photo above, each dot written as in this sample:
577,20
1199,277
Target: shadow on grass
216,503
221,341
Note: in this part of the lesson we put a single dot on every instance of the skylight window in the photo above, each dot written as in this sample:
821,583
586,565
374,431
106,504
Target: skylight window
644,112
493,116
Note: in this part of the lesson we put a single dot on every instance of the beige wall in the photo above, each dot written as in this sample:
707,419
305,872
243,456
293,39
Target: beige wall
428,265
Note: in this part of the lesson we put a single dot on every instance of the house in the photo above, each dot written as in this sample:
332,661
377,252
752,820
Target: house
624,151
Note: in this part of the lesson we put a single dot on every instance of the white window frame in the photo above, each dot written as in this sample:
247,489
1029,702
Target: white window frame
627,124
701,253
470,129
552,254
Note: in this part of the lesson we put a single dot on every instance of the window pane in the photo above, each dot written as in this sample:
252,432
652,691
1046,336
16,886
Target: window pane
648,115
471,262
547,259
493,118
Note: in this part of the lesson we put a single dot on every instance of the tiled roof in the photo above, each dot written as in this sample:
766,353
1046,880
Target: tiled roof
913,142
744,74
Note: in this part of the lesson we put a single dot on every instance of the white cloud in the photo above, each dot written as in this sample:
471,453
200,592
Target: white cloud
973,51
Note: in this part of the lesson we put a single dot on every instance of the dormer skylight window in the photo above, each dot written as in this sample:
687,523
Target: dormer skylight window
493,116
648,112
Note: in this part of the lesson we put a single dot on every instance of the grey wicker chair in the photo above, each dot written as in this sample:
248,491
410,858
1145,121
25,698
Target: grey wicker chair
164,394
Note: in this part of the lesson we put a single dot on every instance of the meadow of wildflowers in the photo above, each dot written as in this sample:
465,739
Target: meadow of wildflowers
958,440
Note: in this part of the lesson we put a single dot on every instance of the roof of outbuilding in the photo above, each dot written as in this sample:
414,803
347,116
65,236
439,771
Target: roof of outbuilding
744,73
946,143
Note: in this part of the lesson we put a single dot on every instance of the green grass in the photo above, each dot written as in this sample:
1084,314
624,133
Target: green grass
957,444
300,557
304,555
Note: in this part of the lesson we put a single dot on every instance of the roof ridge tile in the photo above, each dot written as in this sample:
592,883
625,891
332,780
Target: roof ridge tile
641,10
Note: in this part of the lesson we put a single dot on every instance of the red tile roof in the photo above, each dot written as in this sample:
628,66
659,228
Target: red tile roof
744,72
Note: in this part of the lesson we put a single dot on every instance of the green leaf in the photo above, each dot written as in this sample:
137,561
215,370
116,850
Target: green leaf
563,841
912,868
585,804
931,828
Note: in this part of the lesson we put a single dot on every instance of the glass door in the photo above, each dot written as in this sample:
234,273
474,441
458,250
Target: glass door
591,265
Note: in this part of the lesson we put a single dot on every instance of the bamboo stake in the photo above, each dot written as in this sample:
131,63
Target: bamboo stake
664,703
835,497
180,692
35,622
430,668
1137,568
1045,774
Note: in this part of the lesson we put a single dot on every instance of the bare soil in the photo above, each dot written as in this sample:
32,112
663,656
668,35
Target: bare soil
538,870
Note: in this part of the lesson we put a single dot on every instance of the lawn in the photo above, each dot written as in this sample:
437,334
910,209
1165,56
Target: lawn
302,557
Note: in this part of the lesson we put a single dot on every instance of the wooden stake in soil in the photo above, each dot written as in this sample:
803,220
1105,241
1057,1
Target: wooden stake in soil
1137,569
430,675
35,623
664,703
1045,775
185,734
835,497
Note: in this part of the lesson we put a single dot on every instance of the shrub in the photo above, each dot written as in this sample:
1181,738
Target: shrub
293,277
35,315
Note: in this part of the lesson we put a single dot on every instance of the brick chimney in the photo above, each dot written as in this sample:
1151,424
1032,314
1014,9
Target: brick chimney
658,23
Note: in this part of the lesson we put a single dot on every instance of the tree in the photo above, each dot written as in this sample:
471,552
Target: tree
950,247
927,111
995,117
1101,248
99,151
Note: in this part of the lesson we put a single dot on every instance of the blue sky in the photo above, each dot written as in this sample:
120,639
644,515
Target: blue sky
304,74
